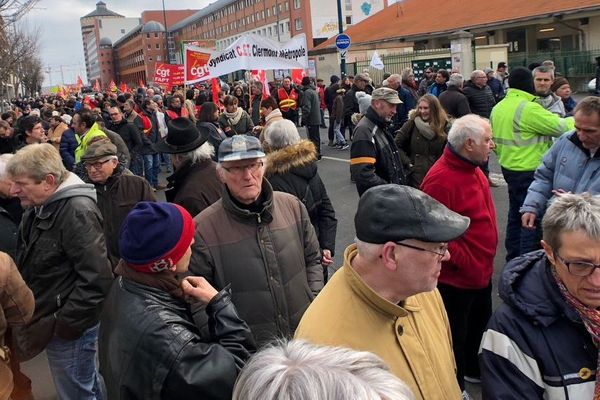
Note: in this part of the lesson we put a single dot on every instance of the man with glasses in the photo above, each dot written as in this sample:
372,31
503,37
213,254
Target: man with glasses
260,242
542,343
479,94
465,283
384,298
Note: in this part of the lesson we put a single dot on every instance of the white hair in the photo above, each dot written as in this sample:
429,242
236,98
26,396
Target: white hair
281,134
300,370
202,153
456,80
367,250
571,213
4,159
471,126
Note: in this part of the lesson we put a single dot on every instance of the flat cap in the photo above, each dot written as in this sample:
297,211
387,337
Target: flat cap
391,213
387,94
240,147
99,149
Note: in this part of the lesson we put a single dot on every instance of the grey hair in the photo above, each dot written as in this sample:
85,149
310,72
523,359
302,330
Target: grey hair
281,134
4,159
544,69
394,77
367,250
202,153
477,72
406,72
570,213
300,370
456,80
471,126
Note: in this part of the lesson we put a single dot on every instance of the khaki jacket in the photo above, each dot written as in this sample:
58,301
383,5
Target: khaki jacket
414,340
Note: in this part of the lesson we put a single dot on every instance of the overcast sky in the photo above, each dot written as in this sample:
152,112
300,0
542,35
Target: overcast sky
58,22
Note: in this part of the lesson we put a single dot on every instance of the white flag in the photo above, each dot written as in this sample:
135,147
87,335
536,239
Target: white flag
376,61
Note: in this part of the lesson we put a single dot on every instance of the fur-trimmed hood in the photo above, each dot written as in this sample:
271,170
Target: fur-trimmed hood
300,155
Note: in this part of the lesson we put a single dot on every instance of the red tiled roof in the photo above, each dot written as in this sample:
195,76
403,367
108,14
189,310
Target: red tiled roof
418,17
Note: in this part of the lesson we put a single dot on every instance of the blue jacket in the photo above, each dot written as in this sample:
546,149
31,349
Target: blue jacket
567,166
535,345
408,103
68,144
497,89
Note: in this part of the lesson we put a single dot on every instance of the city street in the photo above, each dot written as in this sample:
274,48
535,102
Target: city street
334,171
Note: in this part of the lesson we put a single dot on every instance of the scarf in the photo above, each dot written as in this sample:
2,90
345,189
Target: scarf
591,320
424,128
163,280
235,117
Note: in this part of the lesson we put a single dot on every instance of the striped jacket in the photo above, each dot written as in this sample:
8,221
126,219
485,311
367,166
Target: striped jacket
535,345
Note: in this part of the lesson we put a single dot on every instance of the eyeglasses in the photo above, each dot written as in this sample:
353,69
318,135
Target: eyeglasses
242,168
579,268
442,249
97,165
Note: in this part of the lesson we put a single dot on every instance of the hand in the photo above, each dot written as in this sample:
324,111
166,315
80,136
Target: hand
528,220
198,288
560,192
326,259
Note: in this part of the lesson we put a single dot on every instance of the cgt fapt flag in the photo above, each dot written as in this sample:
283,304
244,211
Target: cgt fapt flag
169,75
196,64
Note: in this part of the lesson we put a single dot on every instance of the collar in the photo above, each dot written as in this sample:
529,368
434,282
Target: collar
375,118
575,140
264,216
512,92
180,174
457,160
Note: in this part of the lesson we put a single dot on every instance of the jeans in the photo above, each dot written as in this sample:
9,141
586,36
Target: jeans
330,134
73,366
151,168
468,313
339,138
137,164
166,158
518,239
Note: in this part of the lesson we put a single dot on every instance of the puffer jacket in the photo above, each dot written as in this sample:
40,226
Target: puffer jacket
150,348
481,99
535,345
293,170
116,197
566,166
374,157
417,152
61,253
270,258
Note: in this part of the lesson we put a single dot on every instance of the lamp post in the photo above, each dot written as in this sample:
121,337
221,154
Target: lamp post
341,30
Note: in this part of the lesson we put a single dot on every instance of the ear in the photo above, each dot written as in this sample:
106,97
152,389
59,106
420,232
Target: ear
549,252
50,180
221,175
388,254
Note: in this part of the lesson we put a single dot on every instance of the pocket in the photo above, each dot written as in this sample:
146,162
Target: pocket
30,340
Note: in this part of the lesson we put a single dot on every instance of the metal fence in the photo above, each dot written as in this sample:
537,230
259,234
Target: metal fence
571,64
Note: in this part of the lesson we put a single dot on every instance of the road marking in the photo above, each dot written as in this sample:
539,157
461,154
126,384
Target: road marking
498,179
336,159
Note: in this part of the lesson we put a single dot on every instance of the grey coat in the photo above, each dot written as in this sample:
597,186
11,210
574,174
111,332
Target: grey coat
311,114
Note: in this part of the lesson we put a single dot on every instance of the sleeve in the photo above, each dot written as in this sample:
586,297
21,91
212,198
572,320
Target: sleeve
306,104
507,371
402,140
85,248
543,122
463,107
349,99
249,123
65,153
540,190
312,253
136,137
16,299
147,193
202,263
327,220
212,368
363,156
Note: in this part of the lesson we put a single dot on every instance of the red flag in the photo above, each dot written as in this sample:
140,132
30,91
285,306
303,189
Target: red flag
112,86
79,82
297,75
124,87
216,88
261,76
141,84
97,87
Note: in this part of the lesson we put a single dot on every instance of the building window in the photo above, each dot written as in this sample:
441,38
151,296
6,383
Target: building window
348,5
158,58
155,34
122,30
287,26
349,20
149,47
281,28
270,31
287,6
296,4
274,10
280,8
298,24
157,46
268,12
147,36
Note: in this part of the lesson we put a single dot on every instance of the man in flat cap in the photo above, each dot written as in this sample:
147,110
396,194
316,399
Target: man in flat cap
384,298
374,157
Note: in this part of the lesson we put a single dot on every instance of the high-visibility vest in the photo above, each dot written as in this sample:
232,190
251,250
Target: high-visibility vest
287,101
184,113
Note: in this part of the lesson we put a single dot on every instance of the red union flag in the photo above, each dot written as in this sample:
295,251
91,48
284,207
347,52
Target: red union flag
196,64
297,75
169,75
261,76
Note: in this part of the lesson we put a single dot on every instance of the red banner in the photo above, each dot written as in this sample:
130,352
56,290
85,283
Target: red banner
261,76
169,75
297,75
196,68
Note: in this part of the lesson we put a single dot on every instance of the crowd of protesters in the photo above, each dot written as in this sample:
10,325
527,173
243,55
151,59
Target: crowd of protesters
225,290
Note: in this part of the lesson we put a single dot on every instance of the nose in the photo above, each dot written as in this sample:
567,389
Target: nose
594,278
446,256
13,190
492,144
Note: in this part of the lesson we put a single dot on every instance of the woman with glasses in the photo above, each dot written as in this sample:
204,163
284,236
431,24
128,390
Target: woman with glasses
543,342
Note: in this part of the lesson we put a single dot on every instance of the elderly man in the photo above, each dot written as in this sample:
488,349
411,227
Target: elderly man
61,253
479,94
117,189
194,185
465,282
260,242
542,342
384,299
374,157
453,99
523,132
543,78
394,81
571,165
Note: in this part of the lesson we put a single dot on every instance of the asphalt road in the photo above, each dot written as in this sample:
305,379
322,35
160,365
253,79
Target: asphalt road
335,173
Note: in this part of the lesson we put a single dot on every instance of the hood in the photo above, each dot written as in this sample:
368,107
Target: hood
301,154
73,186
527,285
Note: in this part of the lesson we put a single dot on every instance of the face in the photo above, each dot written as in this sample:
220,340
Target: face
127,107
116,115
54,123
429,74
5,185
37,134
100,170
30,192
243,178
424,110
238,92
480,79
419,269
542,82
564,91
149,92
588,129
577,246
5,132
360,84
480,151
439,78
255,90
231,108
175,102
384,109
287,83
394,83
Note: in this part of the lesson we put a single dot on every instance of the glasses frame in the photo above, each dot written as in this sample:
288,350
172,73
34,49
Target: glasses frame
410,246
568,265
97,165
253,168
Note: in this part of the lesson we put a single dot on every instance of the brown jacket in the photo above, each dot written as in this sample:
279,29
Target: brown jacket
56,134
16,308
270,258
194,186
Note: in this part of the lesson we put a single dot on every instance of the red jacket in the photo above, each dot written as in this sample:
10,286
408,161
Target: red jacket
462,187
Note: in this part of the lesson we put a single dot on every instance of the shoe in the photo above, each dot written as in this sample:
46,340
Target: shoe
330,144
466,395
472,379
344,146
492,183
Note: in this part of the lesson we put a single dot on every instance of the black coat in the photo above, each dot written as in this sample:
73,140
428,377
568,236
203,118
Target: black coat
293,170
130,135
9,145
150,348
455,102
8,232
481,100
215,135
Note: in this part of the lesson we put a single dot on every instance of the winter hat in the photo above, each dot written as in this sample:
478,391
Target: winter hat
155,236
364,101
558,82
334,79
522,79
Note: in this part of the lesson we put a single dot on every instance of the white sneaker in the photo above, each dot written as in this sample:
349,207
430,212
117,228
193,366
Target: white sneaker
466,395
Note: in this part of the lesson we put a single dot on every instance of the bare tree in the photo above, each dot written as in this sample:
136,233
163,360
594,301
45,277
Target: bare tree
31,75
17,47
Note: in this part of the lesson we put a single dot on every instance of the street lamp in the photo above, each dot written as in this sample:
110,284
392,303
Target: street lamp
341,30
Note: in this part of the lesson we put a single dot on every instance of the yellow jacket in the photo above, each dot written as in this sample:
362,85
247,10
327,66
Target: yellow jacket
414,340
94,131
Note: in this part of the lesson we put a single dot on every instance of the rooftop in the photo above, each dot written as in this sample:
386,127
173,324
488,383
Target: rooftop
102,11
209,9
